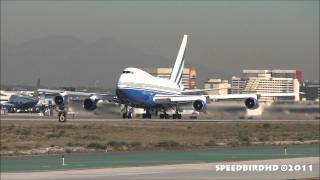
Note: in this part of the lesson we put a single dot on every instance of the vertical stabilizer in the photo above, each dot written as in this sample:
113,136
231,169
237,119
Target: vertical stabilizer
177,71
35,92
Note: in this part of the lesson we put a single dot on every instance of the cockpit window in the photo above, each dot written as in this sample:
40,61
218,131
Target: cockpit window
127,72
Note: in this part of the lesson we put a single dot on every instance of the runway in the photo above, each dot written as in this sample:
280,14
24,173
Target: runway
180,171
82,118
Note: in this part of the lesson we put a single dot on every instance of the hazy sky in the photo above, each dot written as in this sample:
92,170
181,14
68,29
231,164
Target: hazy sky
225,37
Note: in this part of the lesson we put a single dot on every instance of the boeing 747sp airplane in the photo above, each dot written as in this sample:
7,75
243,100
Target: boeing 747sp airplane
138,89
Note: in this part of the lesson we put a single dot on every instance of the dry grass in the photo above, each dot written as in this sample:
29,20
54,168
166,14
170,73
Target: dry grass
24,136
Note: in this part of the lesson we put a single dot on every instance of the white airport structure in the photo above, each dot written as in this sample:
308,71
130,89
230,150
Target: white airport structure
5,95
218,86
268,81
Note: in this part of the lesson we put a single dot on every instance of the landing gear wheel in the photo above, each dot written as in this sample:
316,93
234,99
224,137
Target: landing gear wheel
147,116
62,116
166,116
124,115
129,115
162,116
174,116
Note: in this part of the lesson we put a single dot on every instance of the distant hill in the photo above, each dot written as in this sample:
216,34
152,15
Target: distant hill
68,61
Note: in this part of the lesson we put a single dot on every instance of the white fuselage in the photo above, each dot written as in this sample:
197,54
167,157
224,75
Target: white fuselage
138,87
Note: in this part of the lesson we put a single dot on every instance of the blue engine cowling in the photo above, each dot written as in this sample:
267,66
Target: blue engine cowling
89,104
199,105
251,103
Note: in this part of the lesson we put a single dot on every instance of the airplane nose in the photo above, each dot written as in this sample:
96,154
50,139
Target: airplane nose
120,81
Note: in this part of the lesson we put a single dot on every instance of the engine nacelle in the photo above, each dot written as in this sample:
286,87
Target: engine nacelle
59,100
251,103
89,104
200,105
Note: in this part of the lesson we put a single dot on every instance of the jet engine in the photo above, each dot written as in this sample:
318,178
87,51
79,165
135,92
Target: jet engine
89,104
58,100
200,105
251,103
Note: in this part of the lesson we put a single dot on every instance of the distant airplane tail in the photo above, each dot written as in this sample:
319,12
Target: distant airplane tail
177,71
35,92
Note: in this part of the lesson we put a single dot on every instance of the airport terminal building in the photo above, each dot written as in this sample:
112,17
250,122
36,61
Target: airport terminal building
311,90
268,81
218,86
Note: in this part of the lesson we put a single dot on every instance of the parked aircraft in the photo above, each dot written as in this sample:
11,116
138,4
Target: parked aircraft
138,89
20,102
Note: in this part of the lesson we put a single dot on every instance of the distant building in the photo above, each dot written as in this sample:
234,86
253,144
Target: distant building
311,90
68,88
268,81
188,77
5,95
221,87
294,74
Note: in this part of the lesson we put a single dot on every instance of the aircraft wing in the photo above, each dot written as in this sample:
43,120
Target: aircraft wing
72,93
178,98
191,98
244,96
232,96
277,94
91,95
190,91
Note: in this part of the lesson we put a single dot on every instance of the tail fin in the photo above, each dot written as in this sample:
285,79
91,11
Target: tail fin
35,92
177,71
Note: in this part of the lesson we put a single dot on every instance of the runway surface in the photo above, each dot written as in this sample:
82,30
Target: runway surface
181,171
36,117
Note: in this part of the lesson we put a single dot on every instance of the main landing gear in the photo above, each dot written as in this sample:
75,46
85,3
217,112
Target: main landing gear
128,113
177,115
164,116
147,115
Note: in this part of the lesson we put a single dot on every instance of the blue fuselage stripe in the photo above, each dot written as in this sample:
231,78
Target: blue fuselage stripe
139,97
